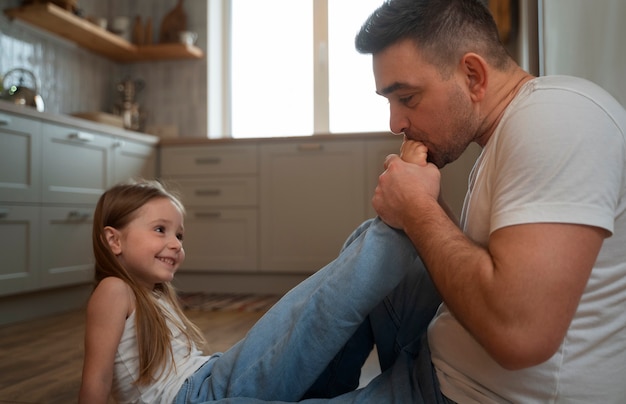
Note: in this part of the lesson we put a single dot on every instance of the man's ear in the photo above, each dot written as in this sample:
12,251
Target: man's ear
474,68
112,237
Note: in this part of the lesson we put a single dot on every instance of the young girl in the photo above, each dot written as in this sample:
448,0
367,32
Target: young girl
140,347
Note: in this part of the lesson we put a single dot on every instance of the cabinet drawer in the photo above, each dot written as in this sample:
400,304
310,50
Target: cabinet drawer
221,239
20,159
209,160
67,254
235,191
19,248
76,165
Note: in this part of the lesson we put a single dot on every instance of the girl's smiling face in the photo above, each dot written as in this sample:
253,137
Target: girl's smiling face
150,247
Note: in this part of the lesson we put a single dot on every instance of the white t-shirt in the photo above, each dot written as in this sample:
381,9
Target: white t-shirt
558,155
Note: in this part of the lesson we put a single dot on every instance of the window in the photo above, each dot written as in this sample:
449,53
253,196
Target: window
294,71
354,105
272,68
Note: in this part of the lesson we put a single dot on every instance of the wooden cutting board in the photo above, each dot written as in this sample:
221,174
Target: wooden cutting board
101,117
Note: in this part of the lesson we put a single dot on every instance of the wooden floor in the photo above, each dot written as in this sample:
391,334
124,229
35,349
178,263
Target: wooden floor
41,361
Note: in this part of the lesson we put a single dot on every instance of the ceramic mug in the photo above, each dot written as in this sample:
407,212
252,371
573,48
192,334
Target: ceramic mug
187,37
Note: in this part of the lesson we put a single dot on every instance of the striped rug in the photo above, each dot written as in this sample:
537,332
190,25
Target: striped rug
226,301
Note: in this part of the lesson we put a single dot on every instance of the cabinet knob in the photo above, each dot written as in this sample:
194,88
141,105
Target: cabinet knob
4,213
4,120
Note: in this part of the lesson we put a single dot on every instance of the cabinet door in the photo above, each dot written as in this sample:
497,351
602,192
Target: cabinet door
221,239
375,153
132,160
76,165
19,248
20,159
311,200
67,254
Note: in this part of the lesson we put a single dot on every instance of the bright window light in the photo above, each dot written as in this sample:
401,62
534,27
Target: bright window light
354,104
273,69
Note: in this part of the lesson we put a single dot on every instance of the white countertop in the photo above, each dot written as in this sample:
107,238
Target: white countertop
31,112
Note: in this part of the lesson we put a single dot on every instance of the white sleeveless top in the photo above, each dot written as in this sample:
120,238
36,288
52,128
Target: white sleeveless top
165,388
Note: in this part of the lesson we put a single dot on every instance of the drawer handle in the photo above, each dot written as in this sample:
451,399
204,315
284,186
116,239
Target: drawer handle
4,120
76,215
208,215
310,147
4,213
81,136
208,192
208,160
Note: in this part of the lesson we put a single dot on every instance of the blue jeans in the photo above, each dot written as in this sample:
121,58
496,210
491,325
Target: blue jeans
320,333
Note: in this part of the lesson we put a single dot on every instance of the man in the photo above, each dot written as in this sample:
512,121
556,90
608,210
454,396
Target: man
534,281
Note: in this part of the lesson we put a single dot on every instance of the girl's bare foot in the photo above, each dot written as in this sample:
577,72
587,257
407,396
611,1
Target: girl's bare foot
414,152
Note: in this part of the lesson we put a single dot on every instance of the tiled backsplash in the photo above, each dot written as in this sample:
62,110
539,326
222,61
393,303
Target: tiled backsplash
75,80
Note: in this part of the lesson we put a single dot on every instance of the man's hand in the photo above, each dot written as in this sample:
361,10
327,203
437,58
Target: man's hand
407,179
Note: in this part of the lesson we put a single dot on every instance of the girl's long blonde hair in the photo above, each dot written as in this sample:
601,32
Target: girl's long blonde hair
116,208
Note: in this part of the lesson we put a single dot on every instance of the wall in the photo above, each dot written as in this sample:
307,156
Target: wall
75,80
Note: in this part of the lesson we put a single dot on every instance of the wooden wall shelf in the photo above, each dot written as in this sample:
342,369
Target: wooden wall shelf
54,19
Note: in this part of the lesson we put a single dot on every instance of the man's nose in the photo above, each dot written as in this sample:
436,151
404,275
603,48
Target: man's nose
397,122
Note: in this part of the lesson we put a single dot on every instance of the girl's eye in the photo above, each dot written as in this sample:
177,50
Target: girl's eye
180,236
160,229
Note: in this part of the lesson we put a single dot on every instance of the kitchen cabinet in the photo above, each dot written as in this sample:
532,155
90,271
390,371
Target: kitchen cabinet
279,207
54,19
20,190
51,176
218,186
77,164
19,248
20,165
375,153
221,239
311,199
132,159
66,254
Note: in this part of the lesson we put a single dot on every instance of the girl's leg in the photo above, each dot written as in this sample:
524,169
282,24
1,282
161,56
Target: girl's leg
400,328
285,352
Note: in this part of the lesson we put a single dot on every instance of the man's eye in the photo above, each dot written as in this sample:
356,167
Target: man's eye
405,100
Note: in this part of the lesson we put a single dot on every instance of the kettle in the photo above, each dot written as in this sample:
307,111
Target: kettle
20,94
